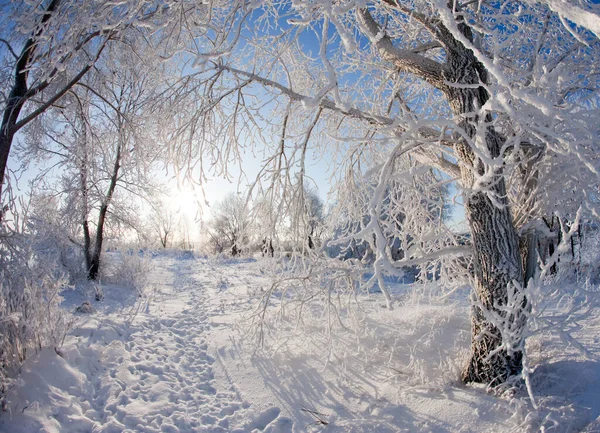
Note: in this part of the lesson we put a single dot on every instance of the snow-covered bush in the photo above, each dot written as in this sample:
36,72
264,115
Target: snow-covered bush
30,297
128,268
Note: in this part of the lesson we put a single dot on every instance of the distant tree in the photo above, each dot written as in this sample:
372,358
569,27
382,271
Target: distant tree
313,218
230,226
265,221
163,223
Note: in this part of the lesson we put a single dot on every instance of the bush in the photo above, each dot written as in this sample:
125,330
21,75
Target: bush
127,268
30,297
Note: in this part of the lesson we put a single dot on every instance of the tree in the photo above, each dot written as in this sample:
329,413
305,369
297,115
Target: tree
42,69
230,225
102,138
163,223
308,220
265,221
437,86
47,47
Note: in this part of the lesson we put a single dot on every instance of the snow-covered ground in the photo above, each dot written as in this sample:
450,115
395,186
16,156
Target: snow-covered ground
179,360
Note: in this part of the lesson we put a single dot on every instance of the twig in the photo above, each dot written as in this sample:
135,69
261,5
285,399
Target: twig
317,416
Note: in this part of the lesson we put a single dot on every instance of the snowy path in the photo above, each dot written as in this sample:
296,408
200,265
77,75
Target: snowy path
153,375
164,371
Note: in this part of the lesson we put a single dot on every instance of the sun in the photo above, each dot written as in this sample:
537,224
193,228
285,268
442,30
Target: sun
185,201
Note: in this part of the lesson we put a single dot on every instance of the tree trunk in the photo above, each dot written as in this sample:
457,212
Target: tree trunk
94,266
497,266
529,251
497,261
13,108
84,186
87,246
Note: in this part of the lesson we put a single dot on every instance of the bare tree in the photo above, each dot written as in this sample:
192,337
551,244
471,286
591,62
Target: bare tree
44,72
102,139
47,47
264,221
308,221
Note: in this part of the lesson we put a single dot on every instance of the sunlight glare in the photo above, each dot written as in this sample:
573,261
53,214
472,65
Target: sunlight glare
185,202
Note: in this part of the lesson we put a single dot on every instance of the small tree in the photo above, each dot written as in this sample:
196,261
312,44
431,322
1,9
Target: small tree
312,218
264,222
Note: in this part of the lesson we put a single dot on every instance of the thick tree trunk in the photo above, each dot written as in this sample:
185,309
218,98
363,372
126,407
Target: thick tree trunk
497,266
497,261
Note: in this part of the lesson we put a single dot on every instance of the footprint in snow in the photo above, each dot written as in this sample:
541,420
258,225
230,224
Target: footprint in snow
268,421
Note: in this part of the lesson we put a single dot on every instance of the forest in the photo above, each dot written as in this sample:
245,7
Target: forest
412,214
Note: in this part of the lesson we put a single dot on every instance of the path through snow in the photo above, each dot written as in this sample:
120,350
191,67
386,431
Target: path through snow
151,375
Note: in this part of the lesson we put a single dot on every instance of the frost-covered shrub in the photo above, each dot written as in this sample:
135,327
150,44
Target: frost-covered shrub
127,268
54,250
30,297
54,238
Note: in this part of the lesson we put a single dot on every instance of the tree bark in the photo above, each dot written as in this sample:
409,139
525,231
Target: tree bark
497,266
497,261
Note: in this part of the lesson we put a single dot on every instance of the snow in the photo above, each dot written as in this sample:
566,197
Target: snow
581,17
178,359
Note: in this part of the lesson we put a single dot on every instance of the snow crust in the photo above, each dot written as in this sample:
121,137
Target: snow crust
177,360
